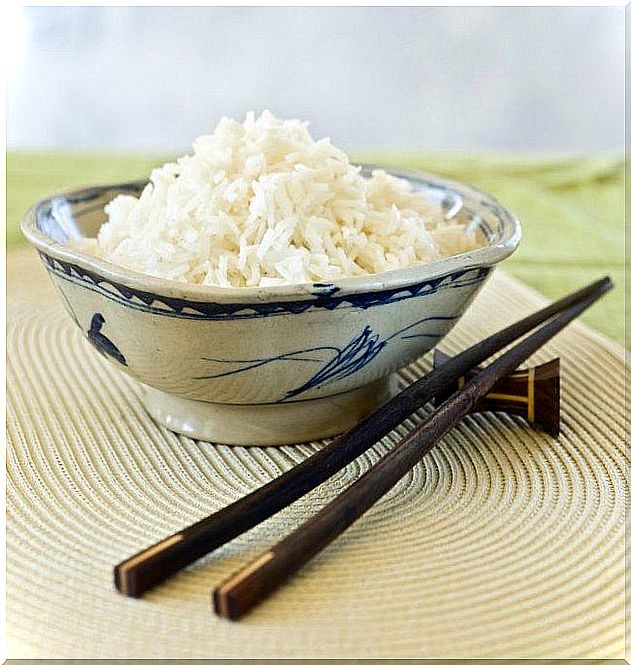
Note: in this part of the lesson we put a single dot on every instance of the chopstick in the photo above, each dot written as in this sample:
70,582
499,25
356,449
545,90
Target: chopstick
245,589
144,570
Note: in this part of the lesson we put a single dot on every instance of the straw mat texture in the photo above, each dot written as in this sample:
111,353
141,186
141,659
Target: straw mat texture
502,543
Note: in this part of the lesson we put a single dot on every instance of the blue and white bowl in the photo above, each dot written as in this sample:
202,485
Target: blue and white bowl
265,365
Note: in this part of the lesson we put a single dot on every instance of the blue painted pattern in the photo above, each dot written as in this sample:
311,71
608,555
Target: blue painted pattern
355,355
336,363
101,342
325,295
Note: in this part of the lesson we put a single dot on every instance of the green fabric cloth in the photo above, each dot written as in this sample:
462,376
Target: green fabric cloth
571,209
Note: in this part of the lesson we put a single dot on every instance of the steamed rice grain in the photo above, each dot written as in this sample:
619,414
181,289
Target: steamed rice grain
262,203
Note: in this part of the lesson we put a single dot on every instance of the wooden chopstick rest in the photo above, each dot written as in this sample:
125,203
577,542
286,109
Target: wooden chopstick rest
533,393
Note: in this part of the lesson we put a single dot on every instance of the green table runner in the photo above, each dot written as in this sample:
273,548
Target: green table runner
571,209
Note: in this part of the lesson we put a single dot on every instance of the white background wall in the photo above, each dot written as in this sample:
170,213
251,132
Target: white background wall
153,78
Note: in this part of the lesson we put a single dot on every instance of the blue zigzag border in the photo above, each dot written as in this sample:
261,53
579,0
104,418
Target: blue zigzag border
188,309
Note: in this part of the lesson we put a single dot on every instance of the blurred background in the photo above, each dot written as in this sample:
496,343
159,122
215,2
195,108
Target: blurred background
526,102
414,78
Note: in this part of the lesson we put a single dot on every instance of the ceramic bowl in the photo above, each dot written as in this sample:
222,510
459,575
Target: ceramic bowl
269,365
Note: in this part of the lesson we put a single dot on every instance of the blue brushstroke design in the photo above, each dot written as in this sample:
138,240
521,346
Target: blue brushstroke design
359,351
101,342
259,362
355,355
400,334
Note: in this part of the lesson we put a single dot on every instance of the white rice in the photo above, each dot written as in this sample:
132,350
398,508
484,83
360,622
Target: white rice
262,203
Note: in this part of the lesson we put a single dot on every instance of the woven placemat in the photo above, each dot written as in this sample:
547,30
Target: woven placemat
502,543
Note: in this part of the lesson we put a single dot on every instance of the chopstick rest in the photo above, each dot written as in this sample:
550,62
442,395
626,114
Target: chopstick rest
533,394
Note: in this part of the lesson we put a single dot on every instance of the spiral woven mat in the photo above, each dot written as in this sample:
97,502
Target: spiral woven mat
501,543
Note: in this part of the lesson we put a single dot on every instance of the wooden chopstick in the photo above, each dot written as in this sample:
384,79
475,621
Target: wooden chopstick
245,589
141,572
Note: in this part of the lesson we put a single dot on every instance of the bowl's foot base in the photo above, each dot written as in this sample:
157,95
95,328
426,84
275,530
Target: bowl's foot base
268,424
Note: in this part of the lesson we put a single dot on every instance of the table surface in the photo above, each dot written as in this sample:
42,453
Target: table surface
571,209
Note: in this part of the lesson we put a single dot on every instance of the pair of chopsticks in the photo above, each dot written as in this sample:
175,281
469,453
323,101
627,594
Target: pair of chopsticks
239,593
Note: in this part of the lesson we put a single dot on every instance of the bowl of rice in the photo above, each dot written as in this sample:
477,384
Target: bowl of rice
263,289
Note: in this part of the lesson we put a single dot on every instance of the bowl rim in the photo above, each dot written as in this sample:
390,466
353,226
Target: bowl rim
487,255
